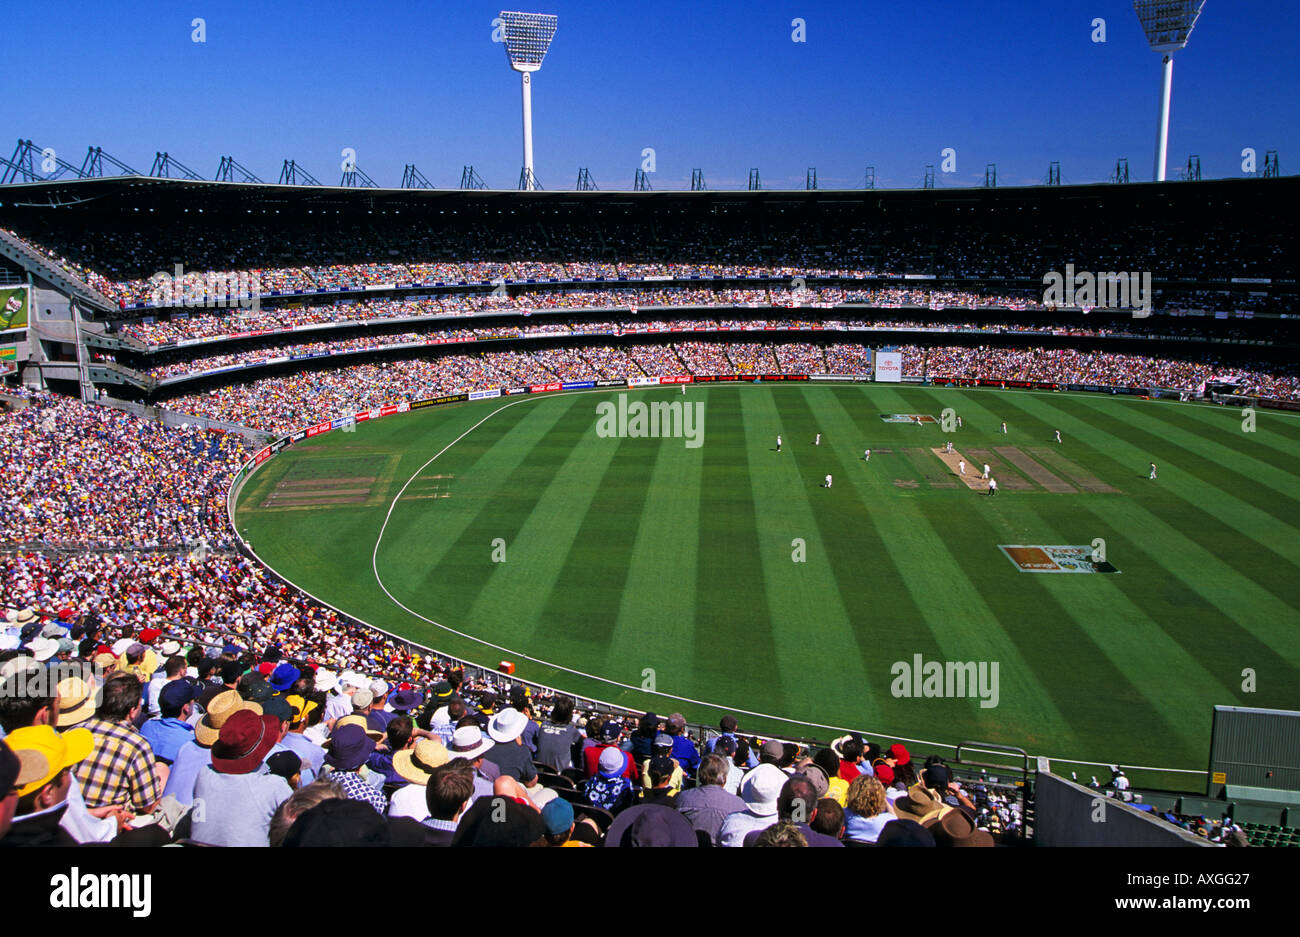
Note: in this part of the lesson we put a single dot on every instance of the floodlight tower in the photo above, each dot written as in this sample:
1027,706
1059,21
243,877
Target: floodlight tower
1168,24
527,37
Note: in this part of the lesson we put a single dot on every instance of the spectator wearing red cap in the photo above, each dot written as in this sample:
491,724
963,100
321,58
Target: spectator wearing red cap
235,797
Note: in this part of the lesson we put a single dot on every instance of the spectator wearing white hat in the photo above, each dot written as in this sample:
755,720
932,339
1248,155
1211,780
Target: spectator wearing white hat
379,715
759,791
510,754
468,742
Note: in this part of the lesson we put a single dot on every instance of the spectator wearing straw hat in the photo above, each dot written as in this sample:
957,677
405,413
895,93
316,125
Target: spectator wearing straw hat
76,701
196,754
236,796
415,765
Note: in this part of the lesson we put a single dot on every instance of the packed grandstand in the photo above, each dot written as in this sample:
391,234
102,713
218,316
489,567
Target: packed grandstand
164,644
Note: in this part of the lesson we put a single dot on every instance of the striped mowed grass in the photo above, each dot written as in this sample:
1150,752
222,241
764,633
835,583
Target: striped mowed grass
727,577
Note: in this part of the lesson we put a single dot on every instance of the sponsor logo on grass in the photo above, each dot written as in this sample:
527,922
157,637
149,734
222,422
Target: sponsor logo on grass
953,679
655,420
1038,558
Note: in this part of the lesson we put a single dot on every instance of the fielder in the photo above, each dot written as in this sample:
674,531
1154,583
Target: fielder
866,456
1004,427
828,481
778,444
1153,471
818,440
1058,435
986,471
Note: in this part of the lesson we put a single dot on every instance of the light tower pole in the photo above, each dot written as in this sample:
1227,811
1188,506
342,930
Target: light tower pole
527,37
1168,24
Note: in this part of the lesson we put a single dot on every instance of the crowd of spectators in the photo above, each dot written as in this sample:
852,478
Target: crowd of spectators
148,736
286,402
94,476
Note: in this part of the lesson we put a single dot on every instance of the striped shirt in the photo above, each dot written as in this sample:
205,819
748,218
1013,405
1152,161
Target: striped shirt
120,769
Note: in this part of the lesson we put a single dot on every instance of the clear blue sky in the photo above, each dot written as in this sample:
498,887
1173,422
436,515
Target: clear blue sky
719,86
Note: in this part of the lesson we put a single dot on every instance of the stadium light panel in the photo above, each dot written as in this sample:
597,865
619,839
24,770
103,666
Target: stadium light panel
1168,25
527,36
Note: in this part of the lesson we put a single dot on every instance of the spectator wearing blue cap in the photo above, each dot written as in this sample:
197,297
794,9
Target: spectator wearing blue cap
169,731
173,670
558,818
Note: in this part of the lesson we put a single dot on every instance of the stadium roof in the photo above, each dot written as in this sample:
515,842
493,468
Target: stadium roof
143,193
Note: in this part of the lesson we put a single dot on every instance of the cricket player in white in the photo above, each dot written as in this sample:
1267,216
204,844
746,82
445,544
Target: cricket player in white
1058,435
993,487
828,481
1004,428
950,447
778,444
866,456
986,470
961,466
818,440
1153,471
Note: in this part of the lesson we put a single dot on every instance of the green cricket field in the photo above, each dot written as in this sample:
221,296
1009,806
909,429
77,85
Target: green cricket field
1083,612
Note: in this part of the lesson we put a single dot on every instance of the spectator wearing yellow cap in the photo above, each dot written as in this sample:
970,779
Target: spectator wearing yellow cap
43,782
